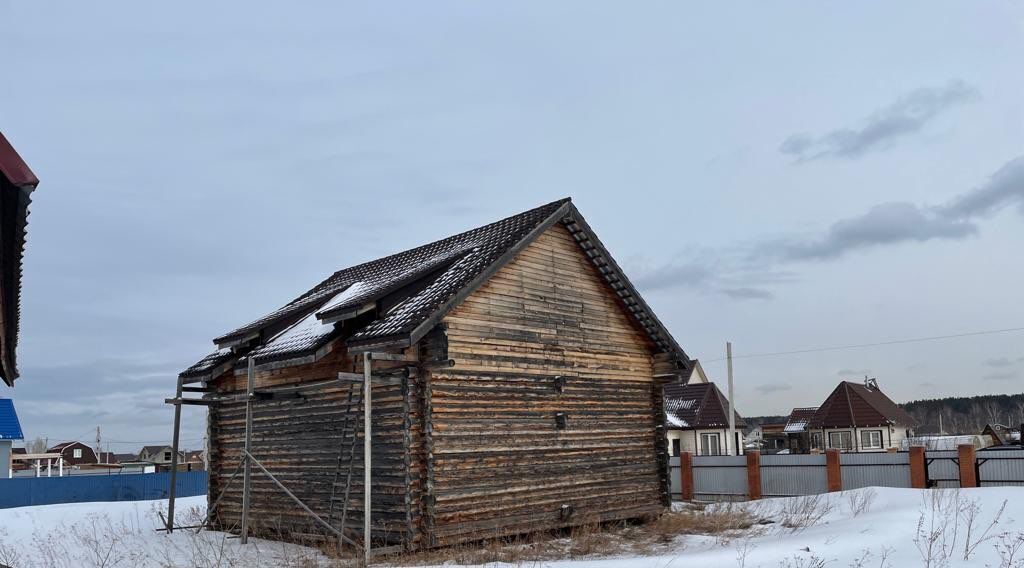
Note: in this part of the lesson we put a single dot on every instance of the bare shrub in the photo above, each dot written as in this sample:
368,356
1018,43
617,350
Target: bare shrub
801,562
860,501
969,513
1010,549
798,513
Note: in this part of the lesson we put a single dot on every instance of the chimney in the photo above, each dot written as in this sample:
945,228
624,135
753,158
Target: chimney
871,384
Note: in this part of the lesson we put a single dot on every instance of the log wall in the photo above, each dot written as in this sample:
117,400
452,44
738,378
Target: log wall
299,440
542,338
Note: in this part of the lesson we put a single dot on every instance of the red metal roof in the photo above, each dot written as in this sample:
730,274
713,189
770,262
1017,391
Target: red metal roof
13,167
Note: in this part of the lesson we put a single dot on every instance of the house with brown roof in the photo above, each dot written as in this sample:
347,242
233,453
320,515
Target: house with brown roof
517,387
859,417
696,421
74,453
17,182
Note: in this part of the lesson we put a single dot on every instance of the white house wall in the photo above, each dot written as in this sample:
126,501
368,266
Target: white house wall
892,437
689,440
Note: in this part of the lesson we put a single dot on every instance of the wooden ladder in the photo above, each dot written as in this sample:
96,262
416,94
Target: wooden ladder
354,400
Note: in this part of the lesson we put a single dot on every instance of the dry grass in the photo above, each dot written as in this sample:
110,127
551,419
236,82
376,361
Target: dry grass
595,540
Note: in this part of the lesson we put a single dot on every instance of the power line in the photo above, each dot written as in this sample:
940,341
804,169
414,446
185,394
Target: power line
880,343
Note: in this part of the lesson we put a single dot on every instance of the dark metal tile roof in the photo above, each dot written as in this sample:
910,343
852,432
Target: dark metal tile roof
697,405
855,404
208,363
10,428
798,420
420,283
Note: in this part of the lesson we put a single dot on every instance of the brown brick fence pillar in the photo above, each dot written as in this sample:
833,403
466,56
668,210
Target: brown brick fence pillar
753,475
686,475
833,470
968,471
918,468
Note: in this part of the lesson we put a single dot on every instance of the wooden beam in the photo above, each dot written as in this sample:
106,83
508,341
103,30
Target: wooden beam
394,357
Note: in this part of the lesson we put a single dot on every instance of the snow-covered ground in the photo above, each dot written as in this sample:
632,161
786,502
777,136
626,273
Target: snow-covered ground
123,534
875,527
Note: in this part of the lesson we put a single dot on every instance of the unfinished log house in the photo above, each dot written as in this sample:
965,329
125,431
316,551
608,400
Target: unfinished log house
532,399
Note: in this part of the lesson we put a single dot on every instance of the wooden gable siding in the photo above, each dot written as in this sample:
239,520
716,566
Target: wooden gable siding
299,441
500,464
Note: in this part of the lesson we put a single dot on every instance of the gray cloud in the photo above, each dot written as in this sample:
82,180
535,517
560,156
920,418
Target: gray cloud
1005,188
999,362
745,293
887,223
1000,376
909,114
901,222
768,389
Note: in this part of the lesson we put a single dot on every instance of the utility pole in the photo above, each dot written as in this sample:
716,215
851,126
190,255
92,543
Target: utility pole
732,412
98,446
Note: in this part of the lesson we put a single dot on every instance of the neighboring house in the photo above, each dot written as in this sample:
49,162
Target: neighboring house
696,421
195,460
159,455
524,392
16,185
770,438
74,453
10,430
859,417
108,458
1002,435
124,458
697,375
798,439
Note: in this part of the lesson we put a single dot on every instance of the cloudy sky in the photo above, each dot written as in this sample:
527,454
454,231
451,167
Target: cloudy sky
784,179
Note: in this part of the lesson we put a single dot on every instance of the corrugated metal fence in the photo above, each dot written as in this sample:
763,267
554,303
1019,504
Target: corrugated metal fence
788,475
720,478
875,470
943,468
132,487
1004,467
725,478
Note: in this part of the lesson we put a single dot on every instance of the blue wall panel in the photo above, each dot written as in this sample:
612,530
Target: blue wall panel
22,492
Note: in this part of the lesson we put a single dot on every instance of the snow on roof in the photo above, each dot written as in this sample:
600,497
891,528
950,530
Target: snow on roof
676,421
795,426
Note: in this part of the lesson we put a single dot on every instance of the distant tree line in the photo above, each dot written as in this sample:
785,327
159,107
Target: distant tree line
966,415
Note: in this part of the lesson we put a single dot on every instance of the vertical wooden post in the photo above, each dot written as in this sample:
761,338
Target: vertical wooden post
918,468
247,468
834,470
174,456
367,450
686,475
753,475
968,469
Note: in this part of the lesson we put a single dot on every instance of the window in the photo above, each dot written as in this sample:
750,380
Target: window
676,447
77,452
840,440
816,441
167,456
710,445
871,439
